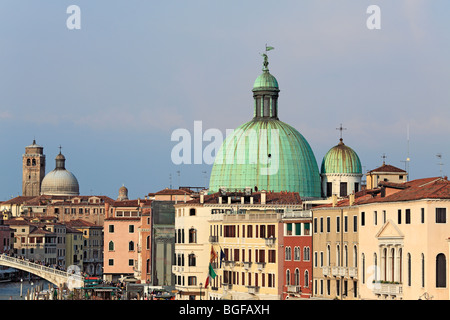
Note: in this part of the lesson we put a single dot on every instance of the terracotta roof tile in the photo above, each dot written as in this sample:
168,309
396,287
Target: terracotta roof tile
387,168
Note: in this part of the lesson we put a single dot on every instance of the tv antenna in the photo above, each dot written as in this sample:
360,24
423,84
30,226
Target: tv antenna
439,156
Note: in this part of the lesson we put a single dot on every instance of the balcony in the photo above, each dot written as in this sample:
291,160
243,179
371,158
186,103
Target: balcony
294,289
229,263
390,289
253,289
227,286
270,241
326,271
247,265
213,239
260,265
353,272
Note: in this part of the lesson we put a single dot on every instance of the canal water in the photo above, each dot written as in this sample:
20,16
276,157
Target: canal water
11,290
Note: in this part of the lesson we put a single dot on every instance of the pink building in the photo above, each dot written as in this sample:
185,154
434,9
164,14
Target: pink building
127,241
5,237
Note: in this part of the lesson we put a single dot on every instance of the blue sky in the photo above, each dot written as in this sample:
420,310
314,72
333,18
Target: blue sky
112,92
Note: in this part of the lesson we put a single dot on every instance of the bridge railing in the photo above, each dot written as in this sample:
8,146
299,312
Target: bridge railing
35,266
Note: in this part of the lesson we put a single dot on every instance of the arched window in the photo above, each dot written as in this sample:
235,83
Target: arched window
363,267
192,235
192,262
131,246
345,256
148,242
28,162
375,263
148,266
423,270
306,285
441,271
297,277
328,256
297,253
111,246
192,212
338,255
33,162
355,256
288,277
287,255
409,268
306,256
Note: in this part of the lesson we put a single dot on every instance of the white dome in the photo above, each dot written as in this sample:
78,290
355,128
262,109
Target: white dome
60,181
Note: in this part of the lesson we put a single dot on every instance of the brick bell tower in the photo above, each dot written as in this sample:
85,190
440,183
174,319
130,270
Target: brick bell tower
33,169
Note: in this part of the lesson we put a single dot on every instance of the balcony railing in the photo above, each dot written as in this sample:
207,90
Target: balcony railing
326,271
213,239
294,289
392,289
253,289
270,241
247,264
260,265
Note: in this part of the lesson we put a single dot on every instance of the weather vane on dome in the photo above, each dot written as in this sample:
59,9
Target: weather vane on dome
266,62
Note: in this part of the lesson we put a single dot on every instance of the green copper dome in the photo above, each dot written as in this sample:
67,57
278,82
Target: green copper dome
264,81
341,159
265,152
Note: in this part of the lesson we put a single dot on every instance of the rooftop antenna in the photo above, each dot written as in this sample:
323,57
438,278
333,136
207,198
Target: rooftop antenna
204,173
407,154
178,173
170,180
439,156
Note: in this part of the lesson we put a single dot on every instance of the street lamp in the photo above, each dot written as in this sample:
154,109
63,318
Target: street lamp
21,282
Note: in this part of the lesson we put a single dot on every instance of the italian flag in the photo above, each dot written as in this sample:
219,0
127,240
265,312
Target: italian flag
211,275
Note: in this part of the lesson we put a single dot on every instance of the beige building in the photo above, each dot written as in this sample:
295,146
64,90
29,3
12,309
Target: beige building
385,173
404,248
74,248
335,250
245,230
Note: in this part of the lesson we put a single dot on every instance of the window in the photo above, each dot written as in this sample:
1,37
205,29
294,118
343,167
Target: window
131,246
338,224
130,262
111,246
287,254
315,225
111,262
131,228
345,223
375,218
363,218
384,216
328,224
422,215
306,253
441,271
192,212
111,228
191,260
192,236
329,189
321,224
343,189
399,216
408,216
441,215
355,223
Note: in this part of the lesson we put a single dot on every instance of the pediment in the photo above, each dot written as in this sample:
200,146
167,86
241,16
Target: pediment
389,231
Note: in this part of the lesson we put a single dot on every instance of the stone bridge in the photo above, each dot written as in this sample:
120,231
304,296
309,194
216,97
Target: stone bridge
58,277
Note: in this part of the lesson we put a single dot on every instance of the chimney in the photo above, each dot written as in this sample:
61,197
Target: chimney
106,210
351,199
202,197
334,200
220,200
242,200
263,197
251,200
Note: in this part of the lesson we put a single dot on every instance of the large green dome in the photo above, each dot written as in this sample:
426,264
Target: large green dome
265,152
341,159
243,161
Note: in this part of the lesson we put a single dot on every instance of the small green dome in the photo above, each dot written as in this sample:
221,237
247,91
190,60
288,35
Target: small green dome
265,81
341,159
242,160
